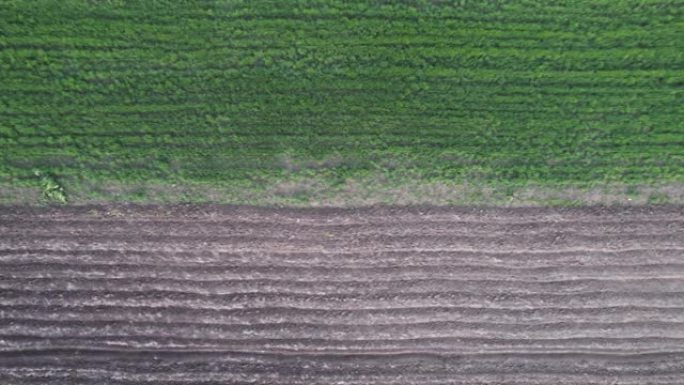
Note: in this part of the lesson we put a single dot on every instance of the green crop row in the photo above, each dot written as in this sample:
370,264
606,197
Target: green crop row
254,96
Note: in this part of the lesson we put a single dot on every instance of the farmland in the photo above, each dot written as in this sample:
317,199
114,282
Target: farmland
330,102
241,295
500,192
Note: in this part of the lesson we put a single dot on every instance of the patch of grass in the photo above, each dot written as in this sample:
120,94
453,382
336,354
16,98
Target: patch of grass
363,191
196,99
659,198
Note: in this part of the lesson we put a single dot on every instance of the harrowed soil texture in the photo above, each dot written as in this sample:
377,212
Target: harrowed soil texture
201,294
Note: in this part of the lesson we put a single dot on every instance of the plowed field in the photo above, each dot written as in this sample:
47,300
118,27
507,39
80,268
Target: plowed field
216,294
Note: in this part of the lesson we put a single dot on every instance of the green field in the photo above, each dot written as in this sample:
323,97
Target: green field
342,102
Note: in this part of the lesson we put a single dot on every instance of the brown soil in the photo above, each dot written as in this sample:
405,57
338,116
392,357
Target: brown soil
223,294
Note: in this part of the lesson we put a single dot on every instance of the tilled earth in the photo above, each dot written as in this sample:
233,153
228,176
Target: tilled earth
238,295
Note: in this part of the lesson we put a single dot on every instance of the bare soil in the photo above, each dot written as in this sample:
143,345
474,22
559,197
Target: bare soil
206,294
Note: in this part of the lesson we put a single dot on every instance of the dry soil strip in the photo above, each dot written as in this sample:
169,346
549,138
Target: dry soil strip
218,294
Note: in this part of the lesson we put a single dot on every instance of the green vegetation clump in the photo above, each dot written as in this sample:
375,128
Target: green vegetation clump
52,191
240,102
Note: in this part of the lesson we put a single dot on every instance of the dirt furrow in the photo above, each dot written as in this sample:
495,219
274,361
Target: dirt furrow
392,273
348,242
206,257
512,285
339,301
344,215
89,376
344,317
325,365
462,345
432,329
112,228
